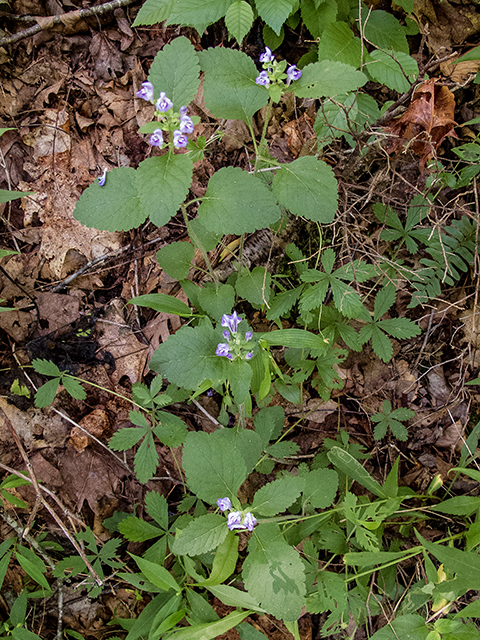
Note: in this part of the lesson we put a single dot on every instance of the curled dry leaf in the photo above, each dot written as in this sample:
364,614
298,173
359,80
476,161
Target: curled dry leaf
426,122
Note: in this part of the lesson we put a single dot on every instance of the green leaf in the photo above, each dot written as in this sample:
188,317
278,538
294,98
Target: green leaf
384,300
283,302
384,31
239,20
270,38
458,506
274,573
327,79
176,259
224,562
8,196
4,562
209,239
126,438
188,358
20,633
240,376
282,449
307,187
74,388
32,565
237,202
400,328
146,459
216,299
45,395
229,88
407,6
171,431
201,535
46,368
353,469
269,423
275,12
380,343
212,468
474,55
157,574
234,597
210,630
162,303
320,487
411,626
157,508
277,496
113,207
317,18
163,183
175,71
298,338
198,13
153,12
391,71
137,530
338,43
247,632
254,285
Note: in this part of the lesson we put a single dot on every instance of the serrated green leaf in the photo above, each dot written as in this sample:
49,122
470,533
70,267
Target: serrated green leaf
157,508
320,487
137,530
212,468
384,300
163,183
171,431
277,496
254,285
353,469
162,303
270,38
381,344
283,302
146,459
384,31
327,79
282,449
46,368
229,88
317,18
391,71
346,299
339,43
176,258
74,388
198,13
269,423
175,71
113,207
201,535
224,562
331,121
188,358
401,328
274,573
217,300
126,438
45,394
157,574
307,187
239,20
247,632
237,202
153,12
275,12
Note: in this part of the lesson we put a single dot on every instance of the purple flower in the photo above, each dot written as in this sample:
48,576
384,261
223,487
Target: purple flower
248,336
102,179
156,139
249,355
249,521
231,322
224,504
163,103
293,74
183,112
223,350
186,124
226,335
210,393
267,56
263,79
180,140
146,92
234,520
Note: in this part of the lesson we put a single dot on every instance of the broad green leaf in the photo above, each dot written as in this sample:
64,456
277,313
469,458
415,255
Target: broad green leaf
74,388
246,443
216,300
225,560
283,302
201,535
113,207
157,574
198,13
162,303
384,300
188,358
270,38
210,630
339,43
327,79
146,459
275,12
317,18
237,202
163,183
46,368
176,259
407,6
157,508
307,187
353,469
298,338
277,496
331,121
381,344
171,430
384,31
274,574
346,299
320,487
153,12
175,71
254,285
401,328
137,530
198,234
229,88
247,632
212,468
20,633
458,506
233,597
240,376
8,196
32,568
239,20
45,394
391,71
269,423
284,448
126,438
410,626
465,564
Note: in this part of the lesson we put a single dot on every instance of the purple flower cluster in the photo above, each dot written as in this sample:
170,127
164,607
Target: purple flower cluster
235,345
181,124
274,72
237,519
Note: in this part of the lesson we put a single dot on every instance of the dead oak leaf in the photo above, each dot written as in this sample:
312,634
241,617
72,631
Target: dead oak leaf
426,122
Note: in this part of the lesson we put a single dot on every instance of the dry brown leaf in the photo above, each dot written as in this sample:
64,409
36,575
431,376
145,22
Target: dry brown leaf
426,122
97,423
